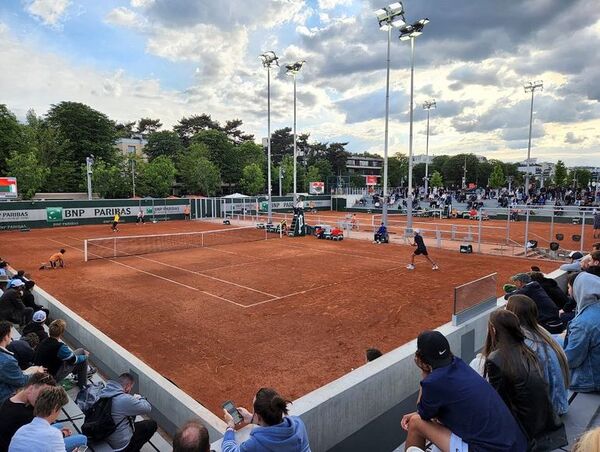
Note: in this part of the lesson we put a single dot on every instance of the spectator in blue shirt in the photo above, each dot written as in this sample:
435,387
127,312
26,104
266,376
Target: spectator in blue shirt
469,415
39,435
381,235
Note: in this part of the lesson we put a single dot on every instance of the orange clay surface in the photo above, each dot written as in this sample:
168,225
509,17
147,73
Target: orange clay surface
221,322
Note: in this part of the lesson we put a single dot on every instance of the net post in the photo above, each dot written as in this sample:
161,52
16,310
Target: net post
479,231
85,250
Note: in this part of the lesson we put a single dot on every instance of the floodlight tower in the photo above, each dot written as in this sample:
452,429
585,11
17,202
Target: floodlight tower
269,59
531,87
427,105
411,31
293,70
392,16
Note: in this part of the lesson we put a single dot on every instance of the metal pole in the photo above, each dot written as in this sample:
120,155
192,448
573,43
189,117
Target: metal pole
526,229
582,231
133,175
508,225
409,212
280,181
529,145
295,145
270,200
384,216
427,158
88,163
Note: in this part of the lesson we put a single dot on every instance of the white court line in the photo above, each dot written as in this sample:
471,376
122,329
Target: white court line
155,275
345,254
196,273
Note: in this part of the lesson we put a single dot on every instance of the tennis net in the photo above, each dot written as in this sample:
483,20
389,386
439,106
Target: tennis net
133,245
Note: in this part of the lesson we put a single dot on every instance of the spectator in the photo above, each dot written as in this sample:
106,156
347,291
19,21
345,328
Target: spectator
277,432
29,299
191,437
129,436
549,316
589,441
11,376
3,266
552,358
39,435
373,354
381,235
582,342
37,325
575,264
513,370
20,275
24,349
11,306
551,288
59,359
468,413
593,263
18,410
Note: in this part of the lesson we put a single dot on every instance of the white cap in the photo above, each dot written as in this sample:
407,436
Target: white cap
17,283
417,231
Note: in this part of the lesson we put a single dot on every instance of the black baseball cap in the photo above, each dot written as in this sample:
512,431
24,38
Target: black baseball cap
434,349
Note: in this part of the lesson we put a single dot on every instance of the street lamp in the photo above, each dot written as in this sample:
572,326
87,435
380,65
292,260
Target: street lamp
389,17
407,32
293,70
427,105
530,87
268,59
89,161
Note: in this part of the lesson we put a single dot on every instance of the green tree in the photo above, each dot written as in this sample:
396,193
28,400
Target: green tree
325,170
163,143
12,138
397,169
253,179
148,125
338,157
580,177
186,128
357,180
198,174
249,152
223,153
30,174
232,130
436,180
109,180
124,129
497,178
560,174
157,177
313,174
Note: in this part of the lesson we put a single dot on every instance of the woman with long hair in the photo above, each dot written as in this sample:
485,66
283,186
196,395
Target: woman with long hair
278,432
551,357
512,368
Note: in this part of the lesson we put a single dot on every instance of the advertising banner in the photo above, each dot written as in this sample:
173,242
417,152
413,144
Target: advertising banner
8,187
317,188
371,180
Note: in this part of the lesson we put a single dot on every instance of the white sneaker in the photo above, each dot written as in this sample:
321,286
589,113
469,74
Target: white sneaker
410,266
435,267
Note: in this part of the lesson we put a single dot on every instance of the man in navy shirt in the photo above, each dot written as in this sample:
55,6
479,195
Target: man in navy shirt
457,410
421,249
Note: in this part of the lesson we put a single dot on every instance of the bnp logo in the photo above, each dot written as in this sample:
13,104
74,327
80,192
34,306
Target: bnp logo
54,214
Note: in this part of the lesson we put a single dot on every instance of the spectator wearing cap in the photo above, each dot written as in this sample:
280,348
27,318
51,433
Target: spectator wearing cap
28,298
20,275
24,349
468,413
548,312
575,264
191,437
11,375
12,307
3,266
37,325
582,341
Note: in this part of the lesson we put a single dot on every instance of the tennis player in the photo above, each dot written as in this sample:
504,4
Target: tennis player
115,225
140,217
421,250
55,261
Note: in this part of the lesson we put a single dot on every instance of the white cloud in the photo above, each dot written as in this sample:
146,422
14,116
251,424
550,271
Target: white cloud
124,17
330,4
50,12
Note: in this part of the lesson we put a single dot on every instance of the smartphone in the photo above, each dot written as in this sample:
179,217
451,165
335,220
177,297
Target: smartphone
232,410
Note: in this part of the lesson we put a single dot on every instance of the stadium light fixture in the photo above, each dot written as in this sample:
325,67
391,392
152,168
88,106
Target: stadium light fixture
392,16
427,105
293,70
410,32
269,59
530,87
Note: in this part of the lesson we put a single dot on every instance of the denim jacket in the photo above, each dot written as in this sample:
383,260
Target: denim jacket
582,344
11,376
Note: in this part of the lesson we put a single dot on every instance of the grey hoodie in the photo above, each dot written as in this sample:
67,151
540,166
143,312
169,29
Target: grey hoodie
123,406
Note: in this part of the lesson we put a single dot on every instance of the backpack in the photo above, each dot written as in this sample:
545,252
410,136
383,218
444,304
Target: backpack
89,395
99,422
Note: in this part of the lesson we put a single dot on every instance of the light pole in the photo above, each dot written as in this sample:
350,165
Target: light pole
427,105
281,174
268,59
530,87
132,156
89,161
389,17
411,32
293,70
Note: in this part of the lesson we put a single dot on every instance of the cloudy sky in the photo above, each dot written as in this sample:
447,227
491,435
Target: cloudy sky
174,58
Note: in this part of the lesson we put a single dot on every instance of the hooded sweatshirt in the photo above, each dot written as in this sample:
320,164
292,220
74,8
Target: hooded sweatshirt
288,436
124,406
582,343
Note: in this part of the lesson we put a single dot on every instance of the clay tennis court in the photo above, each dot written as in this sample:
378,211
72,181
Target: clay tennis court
222,321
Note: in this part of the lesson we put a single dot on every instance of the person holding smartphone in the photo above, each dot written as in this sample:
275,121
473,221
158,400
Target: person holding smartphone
276,430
